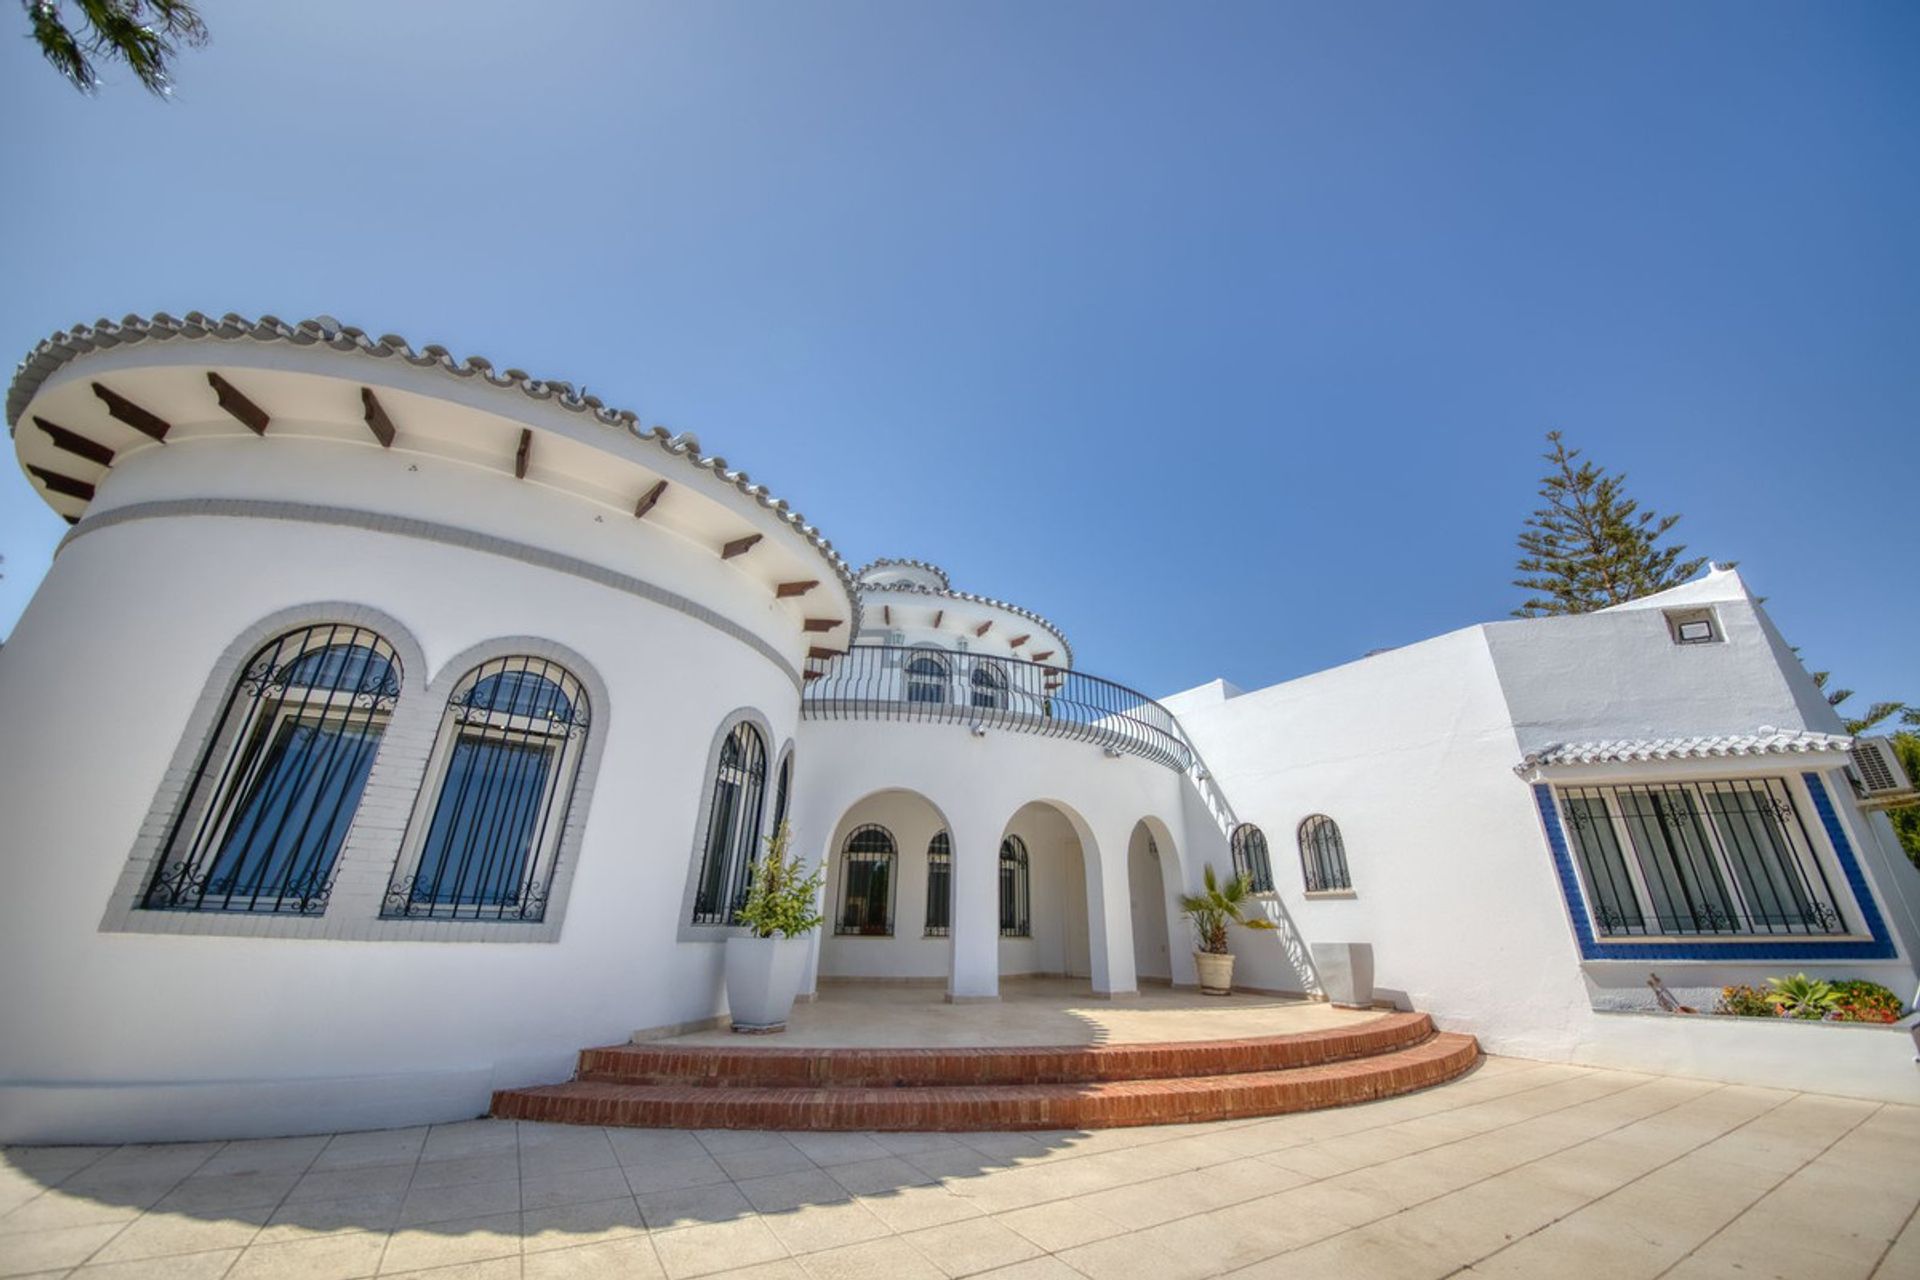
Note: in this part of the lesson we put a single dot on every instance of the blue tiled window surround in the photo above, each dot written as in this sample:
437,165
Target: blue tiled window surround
1878,946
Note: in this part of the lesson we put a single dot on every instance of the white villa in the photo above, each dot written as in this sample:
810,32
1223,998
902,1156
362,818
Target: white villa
390,727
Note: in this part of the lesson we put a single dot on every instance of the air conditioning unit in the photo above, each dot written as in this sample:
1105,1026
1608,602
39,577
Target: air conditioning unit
1878,775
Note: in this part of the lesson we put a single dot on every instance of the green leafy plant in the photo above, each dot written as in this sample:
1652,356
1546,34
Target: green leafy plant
1802,997
1863,1001
782,897
1218,906
1746,1002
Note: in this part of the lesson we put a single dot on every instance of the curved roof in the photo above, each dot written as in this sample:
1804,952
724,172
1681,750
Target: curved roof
946,592
67,345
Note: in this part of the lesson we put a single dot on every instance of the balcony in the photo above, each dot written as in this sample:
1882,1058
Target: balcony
896,682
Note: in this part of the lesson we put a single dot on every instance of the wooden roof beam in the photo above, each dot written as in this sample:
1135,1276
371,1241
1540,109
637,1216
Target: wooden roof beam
649,500
249,414
820,624
740,546
77,445
1017,641
982,628
817,652
886,614
787,590
57,483
937,617
1043,656
377,420
520,455
141,420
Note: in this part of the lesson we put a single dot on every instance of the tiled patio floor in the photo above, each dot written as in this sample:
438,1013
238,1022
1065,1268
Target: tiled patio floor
1520,1169
1036,1011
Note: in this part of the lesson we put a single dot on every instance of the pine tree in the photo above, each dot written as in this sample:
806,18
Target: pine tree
1590,546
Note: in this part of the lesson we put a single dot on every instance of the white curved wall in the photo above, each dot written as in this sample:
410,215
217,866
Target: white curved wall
116,1034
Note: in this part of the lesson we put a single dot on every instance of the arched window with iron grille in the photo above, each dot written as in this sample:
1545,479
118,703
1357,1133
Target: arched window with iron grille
501,779
782,790
277,786
1323,855
926,678
1016,917
1250,857
734,810
939,885
989,685
867,863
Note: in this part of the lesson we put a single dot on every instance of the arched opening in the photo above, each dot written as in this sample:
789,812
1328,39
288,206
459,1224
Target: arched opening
889,893
1150,866
1043,896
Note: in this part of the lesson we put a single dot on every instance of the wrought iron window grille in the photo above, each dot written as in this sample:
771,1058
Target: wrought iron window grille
734,810
1249,845
275,789
1323,855
502,774
1726,857
867,864
939,886
1016,917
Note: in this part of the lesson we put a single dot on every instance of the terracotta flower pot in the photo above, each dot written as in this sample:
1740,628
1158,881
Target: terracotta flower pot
1216,972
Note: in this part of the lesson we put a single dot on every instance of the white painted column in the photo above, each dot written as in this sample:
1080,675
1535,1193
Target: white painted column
974,970
1109,913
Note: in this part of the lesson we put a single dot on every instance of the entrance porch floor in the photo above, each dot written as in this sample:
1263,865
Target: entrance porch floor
1030,1011
1520,1169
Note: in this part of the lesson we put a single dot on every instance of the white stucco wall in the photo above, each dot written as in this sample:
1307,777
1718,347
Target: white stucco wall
114,1035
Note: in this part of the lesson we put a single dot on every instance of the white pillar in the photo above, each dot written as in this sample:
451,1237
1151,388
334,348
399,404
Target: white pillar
1109,914
974,930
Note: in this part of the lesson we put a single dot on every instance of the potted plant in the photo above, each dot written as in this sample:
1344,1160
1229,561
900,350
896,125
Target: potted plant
765,964
1211,911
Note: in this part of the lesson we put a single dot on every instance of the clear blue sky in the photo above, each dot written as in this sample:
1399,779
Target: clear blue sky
1224,334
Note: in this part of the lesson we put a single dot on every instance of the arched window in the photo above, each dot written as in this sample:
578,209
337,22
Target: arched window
733,826
501,777
939,885
782,788
1250,857
1016,920
277,786
1323,855
866,883
926,678
989,685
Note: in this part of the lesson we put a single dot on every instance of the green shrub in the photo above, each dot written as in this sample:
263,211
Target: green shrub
1746,1002
1863,1001
780,899
1803,997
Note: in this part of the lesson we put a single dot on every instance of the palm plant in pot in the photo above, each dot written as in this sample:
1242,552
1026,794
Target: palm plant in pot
1212,911
765,964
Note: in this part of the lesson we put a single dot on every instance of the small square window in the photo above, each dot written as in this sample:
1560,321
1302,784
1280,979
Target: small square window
1695,626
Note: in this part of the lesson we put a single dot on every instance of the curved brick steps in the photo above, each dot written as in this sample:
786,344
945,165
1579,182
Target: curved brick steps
779,1067
1087,1105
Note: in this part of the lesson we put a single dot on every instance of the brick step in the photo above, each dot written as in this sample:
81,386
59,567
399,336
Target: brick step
731,1066
1099,1105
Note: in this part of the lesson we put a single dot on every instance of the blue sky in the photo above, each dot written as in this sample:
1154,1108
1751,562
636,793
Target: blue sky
1223,334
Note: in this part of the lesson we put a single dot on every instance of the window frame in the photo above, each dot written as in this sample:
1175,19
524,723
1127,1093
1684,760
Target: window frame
1329,843
1015,899
1242,844
461,723
245,736
889,857
940,854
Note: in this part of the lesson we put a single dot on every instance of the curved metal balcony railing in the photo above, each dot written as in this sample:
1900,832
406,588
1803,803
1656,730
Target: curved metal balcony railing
899,682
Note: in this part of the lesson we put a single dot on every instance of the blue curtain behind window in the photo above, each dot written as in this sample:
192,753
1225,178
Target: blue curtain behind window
483,827
289,825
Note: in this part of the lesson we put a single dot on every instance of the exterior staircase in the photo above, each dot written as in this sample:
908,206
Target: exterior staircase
664,1085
